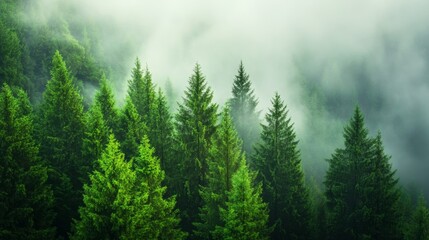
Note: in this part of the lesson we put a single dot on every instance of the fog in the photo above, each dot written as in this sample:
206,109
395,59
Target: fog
369,53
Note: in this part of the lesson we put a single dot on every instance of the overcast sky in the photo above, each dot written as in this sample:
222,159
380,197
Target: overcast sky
371,53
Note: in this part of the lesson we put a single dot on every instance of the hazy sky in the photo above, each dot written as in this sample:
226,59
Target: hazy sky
372,53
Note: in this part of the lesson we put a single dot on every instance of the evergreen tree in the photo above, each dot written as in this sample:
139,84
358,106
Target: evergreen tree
105,100
131,131
61,133
224,160
278,161
96,136
360,187
112,203
163,130
245,215
243,110
418,228
26,200
195,125
163,219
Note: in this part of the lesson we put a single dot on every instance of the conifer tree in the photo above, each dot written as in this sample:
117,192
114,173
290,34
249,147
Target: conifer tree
163,130
132,130
26,200
243,110
224,160
61,132
112,203
418,228
195,126
278,162
360,187
163,218
245,215
105,100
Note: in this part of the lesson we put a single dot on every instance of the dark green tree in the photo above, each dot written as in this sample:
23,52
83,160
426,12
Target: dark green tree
112,203
26,200
360,187
105,100
224,160
61,123
243,110
418,228
163,220
245,215
131,131
195,126
277,159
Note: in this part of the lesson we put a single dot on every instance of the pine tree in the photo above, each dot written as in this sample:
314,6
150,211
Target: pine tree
112,203
278,162
163,219
26,200
105,100
61,132
195,125
360,187
245,215
131,131
418,228
243,110
163,130
224,160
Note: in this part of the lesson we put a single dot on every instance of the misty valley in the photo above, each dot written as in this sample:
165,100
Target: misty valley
97,144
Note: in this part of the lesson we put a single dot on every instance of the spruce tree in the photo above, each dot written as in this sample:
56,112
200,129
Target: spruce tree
243,110
418,228
224,160
105,100
360,187
131,130
112,203
245,215
61,132
26,200
195,126
278,162
163,218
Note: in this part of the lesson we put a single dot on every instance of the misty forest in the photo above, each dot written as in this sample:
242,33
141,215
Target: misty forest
227,120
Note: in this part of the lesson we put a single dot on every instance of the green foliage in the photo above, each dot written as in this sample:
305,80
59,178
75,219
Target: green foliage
61,132
245,215
163,219
131,130
278,161
111,201
195,125
26,199
243,110
362,198
418,228
224,160
105,100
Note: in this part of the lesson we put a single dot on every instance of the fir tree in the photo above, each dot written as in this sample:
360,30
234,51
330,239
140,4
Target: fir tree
131,131
243,110
195,125
112,204
163,219
360,187
418,228
245,215
61,133
224,160
278,161
105,100
26,200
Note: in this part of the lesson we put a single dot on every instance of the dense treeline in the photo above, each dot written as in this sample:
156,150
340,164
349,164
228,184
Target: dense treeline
87,168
